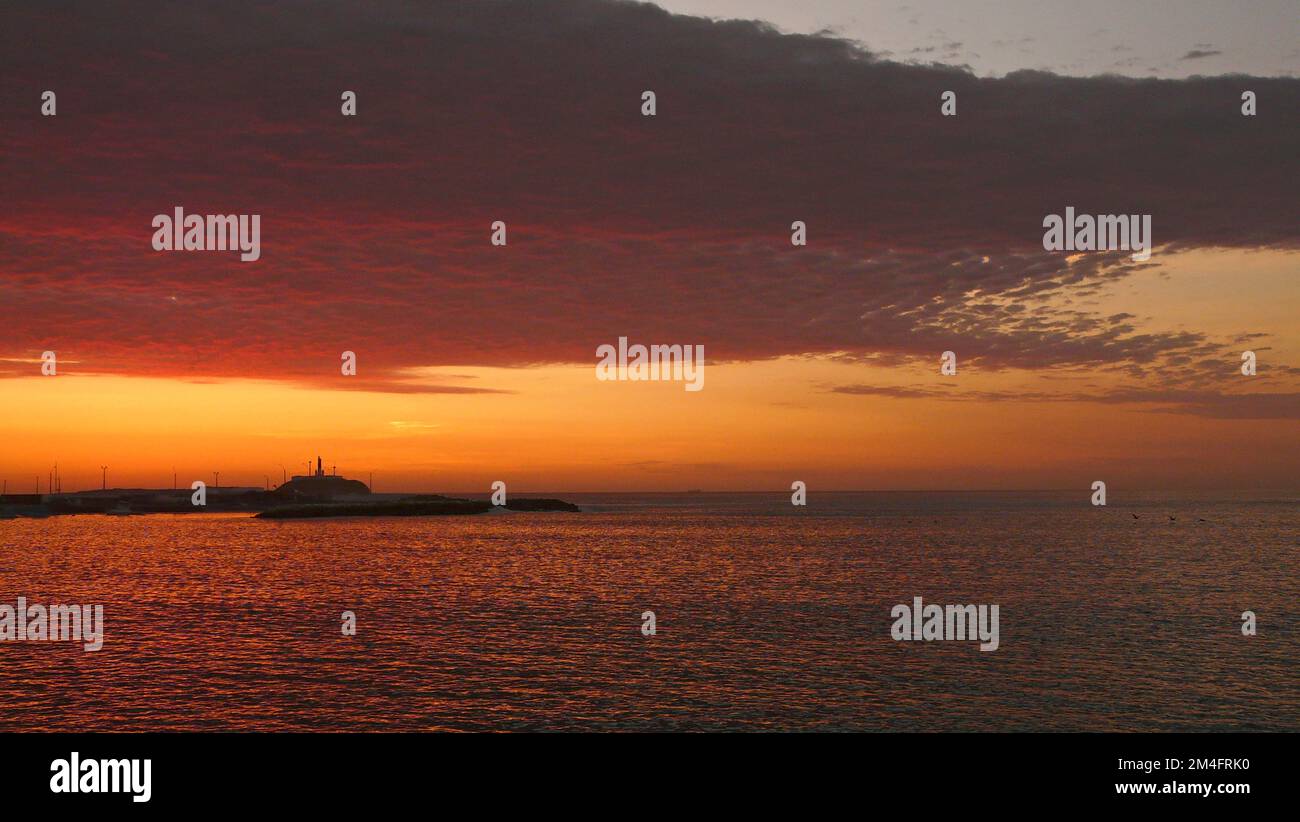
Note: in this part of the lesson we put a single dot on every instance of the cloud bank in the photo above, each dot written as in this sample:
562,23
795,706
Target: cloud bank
922,229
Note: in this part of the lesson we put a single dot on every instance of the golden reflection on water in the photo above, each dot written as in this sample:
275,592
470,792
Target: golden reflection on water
767,619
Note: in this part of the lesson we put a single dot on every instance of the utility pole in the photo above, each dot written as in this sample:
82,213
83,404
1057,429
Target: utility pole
284,475
268,482
216,476
103,480
173,477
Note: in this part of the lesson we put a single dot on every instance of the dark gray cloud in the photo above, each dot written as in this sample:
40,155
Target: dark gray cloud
923,230
1255,405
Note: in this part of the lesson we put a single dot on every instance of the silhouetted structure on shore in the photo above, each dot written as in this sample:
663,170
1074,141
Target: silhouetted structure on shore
306,495
321,487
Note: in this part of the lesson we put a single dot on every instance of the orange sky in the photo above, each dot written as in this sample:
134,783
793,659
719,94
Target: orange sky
755,426
476,360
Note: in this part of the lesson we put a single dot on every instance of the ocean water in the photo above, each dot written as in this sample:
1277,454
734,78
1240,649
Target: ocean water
769,617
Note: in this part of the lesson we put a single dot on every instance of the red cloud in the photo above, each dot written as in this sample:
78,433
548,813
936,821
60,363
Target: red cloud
672,228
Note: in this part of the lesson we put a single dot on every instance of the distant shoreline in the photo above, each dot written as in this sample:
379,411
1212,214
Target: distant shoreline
259,503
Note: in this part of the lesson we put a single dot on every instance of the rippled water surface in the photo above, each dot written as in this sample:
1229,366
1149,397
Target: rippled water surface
769,617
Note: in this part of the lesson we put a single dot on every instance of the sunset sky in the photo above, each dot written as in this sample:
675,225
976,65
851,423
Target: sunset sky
476,363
